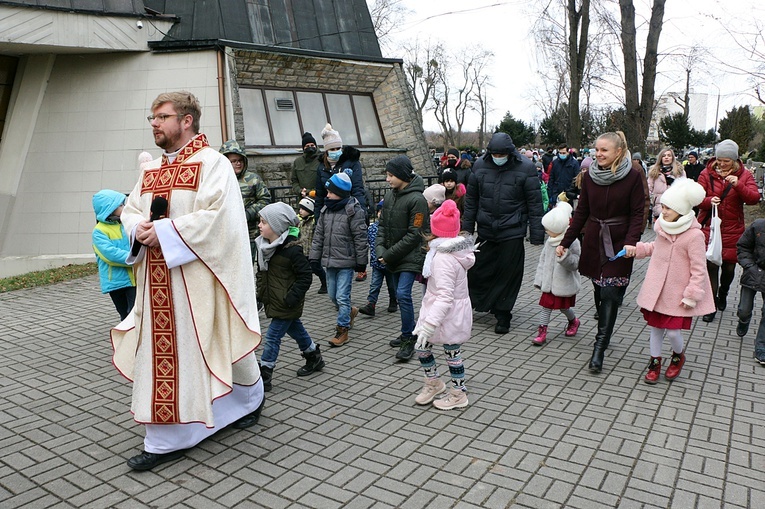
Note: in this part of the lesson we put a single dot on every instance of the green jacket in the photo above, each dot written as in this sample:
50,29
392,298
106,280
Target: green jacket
304,172
283,286
255,195
404,221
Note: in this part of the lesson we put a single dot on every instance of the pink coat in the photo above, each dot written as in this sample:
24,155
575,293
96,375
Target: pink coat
446,304
677,272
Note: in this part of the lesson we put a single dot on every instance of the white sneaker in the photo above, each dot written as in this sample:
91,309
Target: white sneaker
455,398
430,389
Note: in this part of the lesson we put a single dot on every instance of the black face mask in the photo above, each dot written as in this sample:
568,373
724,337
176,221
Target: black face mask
451,163
309,150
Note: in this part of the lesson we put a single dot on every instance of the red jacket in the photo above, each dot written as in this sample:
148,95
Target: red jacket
731,208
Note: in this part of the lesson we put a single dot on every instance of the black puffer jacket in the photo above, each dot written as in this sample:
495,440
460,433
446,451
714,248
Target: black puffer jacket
404,219
504,200
348,163
750,249
283,286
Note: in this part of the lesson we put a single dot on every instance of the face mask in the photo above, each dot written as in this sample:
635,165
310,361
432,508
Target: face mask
499,161
563,157
451,163
309,150
334,155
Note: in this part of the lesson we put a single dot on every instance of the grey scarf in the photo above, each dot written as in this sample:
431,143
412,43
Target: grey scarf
605,177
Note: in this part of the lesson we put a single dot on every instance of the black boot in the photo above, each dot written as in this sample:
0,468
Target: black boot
266,374
313,362
407,348
503,322
609,305
722,300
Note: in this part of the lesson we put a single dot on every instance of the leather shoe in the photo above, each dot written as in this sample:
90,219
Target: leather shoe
149,460
250,419
709,318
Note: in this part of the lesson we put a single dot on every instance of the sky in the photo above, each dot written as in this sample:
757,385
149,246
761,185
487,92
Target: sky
503,27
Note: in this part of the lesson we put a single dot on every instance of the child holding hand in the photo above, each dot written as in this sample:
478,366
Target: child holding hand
676,286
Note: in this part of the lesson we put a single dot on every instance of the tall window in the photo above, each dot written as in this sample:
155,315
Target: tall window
8,67
279,117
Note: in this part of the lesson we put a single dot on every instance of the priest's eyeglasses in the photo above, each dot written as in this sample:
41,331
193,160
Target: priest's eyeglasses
160,118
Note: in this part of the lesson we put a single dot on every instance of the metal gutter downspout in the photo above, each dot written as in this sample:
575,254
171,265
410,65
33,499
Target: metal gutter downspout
222,97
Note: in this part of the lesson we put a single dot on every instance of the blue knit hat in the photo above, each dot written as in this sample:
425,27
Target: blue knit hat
340,184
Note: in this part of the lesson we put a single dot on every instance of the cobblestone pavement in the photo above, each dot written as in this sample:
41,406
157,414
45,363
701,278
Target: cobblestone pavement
540,431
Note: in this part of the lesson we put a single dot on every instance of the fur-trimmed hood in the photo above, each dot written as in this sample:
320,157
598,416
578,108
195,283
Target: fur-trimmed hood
462,247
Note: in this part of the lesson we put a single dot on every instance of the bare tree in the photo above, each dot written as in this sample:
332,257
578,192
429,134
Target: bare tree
386,14
481,84
579,25
689,60
639,100
422,65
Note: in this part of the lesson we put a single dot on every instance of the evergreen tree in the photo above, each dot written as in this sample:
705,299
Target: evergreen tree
738,126
675,131
521,133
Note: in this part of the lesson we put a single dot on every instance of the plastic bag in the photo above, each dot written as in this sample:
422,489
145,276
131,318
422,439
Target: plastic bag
714,249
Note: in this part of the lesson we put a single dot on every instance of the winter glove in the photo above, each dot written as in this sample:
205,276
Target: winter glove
424,334
360,268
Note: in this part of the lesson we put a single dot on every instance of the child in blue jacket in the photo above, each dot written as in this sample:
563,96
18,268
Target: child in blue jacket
112,246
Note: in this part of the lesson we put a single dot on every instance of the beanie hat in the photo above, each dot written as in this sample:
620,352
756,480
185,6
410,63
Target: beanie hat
435,194
637,155
453,152
693,153
143,158
445,221
279,216
340,184
448,174
307,203
331,138
557,220
726,149
308,138
401,168
683,195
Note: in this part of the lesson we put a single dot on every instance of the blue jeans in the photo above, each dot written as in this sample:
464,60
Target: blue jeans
339,283
378,276
276,331
403,282
745,307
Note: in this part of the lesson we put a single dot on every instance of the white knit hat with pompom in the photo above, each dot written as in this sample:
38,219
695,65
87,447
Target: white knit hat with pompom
683,195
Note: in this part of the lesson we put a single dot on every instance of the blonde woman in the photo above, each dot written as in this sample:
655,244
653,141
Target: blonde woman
661,175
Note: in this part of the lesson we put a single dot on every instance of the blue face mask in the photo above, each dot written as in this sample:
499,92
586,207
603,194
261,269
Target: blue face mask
563,157
499,161
334,155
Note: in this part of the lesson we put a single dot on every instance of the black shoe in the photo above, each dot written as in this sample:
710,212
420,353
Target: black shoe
760,359
313,362
322,289
742,328
250,419
393,307
503,323
407,348
149,460
396,343
710,317
722,301
368,309
266,374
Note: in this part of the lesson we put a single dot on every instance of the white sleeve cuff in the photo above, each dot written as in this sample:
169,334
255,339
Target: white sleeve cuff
176,251
132,260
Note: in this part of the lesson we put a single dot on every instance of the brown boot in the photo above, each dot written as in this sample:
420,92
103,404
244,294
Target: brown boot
340,338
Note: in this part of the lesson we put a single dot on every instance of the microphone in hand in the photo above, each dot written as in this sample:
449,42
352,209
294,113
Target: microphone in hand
158,209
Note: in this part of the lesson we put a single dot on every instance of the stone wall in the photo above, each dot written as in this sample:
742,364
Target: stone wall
385,81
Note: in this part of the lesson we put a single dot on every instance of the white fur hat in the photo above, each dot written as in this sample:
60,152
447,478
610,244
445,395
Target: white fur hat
557,220
683,195
435,194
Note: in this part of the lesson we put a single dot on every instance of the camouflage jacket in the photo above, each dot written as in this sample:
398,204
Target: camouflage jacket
255,195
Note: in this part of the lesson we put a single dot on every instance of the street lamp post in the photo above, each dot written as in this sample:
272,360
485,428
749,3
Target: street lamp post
717,109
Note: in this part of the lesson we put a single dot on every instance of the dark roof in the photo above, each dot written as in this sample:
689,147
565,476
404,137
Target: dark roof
330,26
106,7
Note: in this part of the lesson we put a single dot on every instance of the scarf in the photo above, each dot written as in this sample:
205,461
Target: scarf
555,241
335,205
432,245
267,249
682,224
605,177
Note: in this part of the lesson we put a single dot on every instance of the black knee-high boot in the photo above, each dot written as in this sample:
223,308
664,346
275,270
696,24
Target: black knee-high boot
609,306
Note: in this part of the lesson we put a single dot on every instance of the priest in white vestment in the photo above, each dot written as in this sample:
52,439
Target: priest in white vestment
188,345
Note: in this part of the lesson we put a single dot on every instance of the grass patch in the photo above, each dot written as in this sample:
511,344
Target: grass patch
47,277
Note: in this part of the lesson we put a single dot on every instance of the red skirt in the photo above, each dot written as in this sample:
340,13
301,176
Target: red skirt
550,301
662,321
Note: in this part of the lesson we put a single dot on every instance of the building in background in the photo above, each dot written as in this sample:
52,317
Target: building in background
666,105
77,78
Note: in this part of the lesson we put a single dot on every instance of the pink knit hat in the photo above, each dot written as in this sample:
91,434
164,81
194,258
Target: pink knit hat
445,221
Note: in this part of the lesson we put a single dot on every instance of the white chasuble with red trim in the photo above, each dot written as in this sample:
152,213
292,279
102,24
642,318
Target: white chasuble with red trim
194,327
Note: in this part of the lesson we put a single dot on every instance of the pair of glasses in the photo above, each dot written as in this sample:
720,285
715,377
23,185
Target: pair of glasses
160,118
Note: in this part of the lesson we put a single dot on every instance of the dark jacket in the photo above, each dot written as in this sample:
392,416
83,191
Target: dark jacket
404,220
348,163
693,171
625,199
504,200
561,175
304,169
731,208
283,286
340,237
751,256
